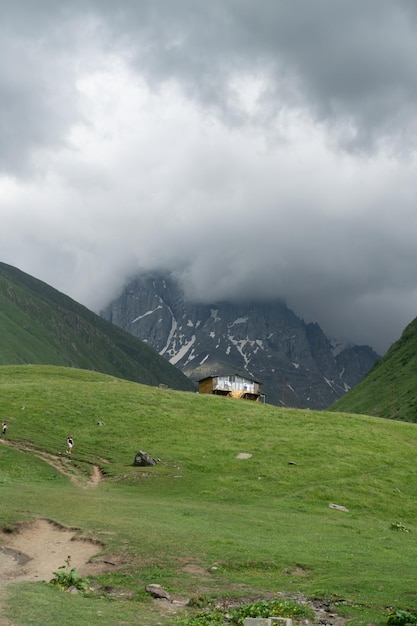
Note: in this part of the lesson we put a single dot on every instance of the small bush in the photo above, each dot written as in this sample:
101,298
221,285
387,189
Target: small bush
204,618
67,578
400,617
236,617
268,608
399,526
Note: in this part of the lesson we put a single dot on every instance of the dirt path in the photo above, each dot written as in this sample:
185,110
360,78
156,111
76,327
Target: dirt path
61,463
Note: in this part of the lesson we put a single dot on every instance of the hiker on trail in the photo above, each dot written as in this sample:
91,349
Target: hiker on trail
4,428
70,443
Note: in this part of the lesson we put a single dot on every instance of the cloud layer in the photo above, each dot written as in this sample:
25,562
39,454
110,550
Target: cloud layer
257,149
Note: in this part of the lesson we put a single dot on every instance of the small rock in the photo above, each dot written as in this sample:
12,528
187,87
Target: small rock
157,591
338,507
244,455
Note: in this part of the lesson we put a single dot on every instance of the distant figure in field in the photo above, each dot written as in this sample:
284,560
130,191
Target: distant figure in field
4,428
70,443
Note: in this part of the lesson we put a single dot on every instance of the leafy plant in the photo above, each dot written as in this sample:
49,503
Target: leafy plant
203,618
267,608
67,578
399,617
236,617
399,526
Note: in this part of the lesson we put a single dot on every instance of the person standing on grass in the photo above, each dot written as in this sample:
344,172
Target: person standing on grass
70,443
4,428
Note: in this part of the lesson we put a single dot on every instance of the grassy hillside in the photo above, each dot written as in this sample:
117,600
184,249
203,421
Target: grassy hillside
203,522
390,388
38,324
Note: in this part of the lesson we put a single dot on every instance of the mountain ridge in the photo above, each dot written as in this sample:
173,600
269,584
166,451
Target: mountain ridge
294,360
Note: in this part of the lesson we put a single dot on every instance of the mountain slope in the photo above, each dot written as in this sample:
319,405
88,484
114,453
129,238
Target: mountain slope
390,388
296,363
38,324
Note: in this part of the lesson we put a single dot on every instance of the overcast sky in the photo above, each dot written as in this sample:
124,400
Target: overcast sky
260,148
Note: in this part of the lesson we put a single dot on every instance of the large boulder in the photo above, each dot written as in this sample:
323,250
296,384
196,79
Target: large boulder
143,459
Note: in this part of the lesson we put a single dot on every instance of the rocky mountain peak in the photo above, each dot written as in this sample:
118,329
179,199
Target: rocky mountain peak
296,363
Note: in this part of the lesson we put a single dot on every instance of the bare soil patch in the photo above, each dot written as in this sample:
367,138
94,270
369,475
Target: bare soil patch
39,548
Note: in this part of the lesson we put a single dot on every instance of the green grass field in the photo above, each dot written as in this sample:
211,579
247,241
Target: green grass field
255,526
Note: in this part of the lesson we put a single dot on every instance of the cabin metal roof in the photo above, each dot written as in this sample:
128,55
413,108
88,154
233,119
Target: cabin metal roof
246,377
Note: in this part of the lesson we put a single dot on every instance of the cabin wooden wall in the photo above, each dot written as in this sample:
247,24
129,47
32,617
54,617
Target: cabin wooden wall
205,386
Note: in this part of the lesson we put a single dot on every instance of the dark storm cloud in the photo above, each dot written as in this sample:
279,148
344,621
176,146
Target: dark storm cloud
270,143
349,64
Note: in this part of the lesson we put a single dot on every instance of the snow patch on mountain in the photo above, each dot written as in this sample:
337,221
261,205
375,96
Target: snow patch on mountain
140,317
239,320
182,351
171,332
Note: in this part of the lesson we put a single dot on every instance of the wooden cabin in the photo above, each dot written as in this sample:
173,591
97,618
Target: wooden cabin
233,386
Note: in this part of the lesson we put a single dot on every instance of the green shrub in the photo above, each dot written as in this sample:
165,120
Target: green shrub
400,617
268,608
67,578
236,617
399,526
204,618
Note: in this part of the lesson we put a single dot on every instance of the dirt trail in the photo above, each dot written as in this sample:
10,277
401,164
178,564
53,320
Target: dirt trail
62,463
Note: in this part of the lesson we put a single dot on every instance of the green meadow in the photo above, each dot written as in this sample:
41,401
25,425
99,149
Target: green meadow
249,527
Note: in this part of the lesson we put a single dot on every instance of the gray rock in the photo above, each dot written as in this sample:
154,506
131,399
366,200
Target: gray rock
157,591
338,507
143,459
